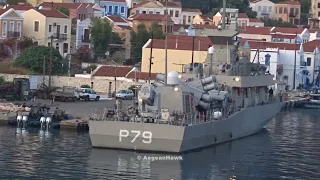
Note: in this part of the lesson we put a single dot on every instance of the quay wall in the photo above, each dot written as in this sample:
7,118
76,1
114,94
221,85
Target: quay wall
99,84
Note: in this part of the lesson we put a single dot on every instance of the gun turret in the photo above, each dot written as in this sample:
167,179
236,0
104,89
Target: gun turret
147,94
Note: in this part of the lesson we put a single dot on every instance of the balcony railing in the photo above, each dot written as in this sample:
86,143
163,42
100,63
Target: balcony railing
60,37
85,38
13,34
291,14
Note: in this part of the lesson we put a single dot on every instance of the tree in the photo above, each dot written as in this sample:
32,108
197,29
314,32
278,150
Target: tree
33,57
83,54
115,39
64,10
157,32
101,31
25,42
139,39
276,23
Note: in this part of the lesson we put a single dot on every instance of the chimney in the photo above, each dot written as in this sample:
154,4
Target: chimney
51,5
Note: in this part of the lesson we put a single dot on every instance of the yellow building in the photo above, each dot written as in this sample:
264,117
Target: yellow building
202,19
42,24
288,11
179,53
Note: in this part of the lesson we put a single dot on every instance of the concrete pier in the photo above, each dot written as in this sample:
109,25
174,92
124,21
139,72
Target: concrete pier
75,124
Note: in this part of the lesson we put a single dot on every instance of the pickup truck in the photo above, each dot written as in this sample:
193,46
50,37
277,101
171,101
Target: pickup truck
65,93
88,94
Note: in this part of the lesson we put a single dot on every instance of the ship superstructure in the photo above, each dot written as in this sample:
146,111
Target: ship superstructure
223,99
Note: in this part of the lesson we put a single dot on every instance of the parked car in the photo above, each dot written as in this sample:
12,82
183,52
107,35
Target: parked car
125,94
88,94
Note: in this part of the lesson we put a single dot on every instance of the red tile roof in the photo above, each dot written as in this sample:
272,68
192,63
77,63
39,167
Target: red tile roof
256,30
182,43
191,10
125,27
115,18
140,4
171,4
20,7
255,20
111,71
3,11
287,30
206,18
122,71
242,15
290,2
52,13
151,17
307,47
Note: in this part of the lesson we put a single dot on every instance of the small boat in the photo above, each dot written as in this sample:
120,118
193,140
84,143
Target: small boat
313,101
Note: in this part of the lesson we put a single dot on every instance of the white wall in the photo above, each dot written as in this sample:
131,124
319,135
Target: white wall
286,58
255,36
259,24
262,4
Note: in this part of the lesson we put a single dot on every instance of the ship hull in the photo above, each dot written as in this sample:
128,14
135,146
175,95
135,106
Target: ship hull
177,139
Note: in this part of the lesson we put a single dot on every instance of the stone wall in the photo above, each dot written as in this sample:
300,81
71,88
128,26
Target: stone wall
99,85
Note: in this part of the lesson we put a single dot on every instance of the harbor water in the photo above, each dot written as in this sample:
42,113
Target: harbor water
289,148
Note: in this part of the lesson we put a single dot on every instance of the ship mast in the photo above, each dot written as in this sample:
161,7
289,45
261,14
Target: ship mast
166,46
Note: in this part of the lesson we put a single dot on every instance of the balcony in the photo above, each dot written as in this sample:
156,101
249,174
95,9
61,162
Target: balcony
60,37
85,39
14,34
291,14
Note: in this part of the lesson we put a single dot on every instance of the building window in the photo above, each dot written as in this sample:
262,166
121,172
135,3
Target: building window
122,10
150,12
157,12
36,26
189,18
280,10
116,10
269,10
165,12
308,61
50,28
184,19
285,10
264,9
65,29
144,12
177,14
4,29
259,8
318,13
276,10
137,11
65,47
171,13
318,5
297,10
110,10
57,46
11,27
19,27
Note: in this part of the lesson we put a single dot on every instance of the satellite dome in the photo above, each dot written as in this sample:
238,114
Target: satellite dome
173,78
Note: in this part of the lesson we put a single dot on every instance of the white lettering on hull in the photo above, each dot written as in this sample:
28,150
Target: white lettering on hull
146,135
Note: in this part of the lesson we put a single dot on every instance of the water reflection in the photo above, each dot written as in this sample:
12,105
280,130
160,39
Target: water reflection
288,149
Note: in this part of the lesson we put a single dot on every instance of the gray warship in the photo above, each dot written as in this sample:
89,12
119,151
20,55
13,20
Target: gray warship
220,100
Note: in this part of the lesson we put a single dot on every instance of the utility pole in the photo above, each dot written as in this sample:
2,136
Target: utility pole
166,46
50,63
295,62
44,69
150,59
192,50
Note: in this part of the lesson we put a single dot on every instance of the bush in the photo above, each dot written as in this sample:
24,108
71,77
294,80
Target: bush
85,86
2,80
